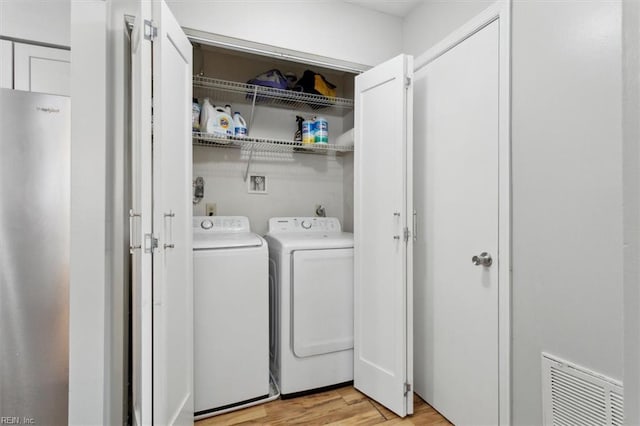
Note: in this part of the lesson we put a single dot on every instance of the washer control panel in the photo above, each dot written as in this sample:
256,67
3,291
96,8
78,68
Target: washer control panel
203,224
304,224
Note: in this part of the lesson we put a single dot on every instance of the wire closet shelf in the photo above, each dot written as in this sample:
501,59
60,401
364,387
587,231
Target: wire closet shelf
235,92
267,145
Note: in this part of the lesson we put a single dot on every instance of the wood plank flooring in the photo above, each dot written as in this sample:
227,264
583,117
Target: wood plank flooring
343,406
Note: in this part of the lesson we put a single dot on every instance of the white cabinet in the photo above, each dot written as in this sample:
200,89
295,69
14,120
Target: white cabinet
6,64
41,69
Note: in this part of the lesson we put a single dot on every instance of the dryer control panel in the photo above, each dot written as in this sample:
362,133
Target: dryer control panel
210,224
304,224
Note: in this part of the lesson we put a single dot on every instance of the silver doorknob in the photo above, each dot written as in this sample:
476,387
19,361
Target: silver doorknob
484,259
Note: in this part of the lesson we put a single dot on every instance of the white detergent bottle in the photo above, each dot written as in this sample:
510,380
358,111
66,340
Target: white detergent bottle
240,126
223,123
206,112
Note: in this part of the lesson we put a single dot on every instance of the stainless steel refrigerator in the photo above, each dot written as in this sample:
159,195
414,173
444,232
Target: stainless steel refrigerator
34,257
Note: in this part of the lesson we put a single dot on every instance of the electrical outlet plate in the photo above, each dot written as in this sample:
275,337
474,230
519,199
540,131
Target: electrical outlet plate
211,209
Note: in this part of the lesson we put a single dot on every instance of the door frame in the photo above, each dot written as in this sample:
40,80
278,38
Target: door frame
499,11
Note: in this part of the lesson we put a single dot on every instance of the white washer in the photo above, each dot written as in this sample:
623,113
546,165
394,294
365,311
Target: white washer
231,314
311,289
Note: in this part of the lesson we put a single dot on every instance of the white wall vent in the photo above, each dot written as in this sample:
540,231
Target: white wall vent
573,395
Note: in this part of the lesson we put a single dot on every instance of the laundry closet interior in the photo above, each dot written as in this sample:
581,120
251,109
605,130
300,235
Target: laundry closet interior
278,321
298,179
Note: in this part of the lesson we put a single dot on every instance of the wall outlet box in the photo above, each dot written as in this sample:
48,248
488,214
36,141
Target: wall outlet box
211,209
257,184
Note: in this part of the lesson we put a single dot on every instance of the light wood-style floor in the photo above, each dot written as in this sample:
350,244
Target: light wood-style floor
343,406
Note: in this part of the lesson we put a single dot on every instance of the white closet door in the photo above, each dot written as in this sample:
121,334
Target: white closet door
6,64
172,204
162,266
140,222
42,69
383,212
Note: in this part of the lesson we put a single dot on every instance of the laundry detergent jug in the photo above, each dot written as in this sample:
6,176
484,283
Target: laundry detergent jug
221,124
206,112
239,125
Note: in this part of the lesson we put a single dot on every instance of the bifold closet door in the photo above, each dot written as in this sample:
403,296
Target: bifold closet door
383,214
140,224
163,297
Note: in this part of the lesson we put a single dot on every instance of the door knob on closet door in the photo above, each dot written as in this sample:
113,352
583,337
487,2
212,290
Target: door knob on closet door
483,259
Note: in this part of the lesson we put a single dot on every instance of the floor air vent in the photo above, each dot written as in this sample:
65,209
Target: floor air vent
573,395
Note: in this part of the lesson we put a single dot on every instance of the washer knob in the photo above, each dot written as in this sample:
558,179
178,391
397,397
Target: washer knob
206,224
306,225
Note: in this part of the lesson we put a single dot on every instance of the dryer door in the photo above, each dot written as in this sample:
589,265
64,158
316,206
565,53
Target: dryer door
322,297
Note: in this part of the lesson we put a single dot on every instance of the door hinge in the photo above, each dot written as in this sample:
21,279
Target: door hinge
407,388
407,234
150,31
150,243
407,81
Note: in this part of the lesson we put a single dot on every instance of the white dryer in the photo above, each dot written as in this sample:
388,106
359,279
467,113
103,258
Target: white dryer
311,290
231,314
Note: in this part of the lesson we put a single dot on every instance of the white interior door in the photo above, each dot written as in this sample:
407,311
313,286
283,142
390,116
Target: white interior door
42,69
172,203
161,223
383,211
456,162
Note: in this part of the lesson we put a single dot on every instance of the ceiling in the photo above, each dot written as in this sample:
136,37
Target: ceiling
399,8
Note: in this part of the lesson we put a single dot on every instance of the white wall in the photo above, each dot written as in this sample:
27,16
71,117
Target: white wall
99,270
433,20
88,326
567,182
329,28
295,183
36,20
567,192
631,159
